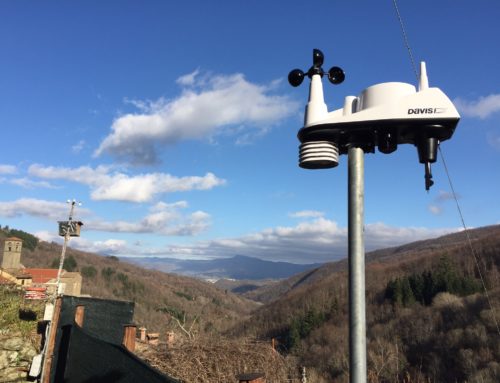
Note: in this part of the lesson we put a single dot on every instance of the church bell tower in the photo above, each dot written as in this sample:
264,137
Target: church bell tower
12,253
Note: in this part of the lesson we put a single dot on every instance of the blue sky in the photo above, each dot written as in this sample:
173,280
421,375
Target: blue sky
174,125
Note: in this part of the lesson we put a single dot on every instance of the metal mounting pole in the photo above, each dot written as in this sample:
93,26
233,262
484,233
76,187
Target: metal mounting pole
357,313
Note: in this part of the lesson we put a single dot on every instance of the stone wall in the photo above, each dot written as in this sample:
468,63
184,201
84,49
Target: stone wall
16,355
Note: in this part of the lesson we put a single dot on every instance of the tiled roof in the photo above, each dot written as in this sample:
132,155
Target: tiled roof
42,275
13,239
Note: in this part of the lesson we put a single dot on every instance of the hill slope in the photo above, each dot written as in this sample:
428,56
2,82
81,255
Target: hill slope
415,254
161,300
450,338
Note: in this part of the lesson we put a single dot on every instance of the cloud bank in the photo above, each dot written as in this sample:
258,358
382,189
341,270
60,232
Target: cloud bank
314,240
207,106
49,210
7,169
318,240
107,184
166,219
163,219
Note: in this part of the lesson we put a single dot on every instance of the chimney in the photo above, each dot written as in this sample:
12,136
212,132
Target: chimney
142,334
170,338
153,338
79,315
129,336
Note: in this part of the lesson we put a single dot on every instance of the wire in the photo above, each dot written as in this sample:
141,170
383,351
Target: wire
405,37
469,241
466,230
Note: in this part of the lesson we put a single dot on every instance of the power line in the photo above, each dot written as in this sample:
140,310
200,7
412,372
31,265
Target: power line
469,241
466,230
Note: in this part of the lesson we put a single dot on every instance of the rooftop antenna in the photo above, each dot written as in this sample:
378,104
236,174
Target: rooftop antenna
383,116
67,229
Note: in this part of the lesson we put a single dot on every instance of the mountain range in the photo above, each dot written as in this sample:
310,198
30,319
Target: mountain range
238,267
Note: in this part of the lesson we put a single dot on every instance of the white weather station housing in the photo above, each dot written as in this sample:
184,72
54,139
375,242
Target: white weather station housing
383,115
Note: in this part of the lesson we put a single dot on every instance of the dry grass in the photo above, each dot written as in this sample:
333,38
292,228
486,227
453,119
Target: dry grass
219,361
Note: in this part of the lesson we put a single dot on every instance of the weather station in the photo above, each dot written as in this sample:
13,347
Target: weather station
383,116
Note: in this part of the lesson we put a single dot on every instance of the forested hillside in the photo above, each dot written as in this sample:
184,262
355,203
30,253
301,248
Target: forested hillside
428,317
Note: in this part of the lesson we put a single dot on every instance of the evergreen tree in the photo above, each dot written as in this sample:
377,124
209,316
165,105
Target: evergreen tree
408,297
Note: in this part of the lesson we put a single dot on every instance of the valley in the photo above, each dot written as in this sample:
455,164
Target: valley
452,335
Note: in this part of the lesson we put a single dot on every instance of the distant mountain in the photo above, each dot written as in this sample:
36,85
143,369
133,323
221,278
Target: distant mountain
238,267
414,252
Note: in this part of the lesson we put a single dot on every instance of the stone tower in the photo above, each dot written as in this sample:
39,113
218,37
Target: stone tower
12,253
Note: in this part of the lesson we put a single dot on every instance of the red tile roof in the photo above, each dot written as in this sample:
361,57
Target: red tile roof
42,275
14,239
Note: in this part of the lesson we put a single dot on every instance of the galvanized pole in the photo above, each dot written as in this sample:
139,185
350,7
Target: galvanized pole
357,314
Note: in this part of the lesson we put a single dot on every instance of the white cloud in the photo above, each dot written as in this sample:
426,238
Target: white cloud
206,107
107,184
49,210
8,169
437,207
47,236
494,141
163,219
107,247
445,196
307,214
188,79
318,240
483,107
31,184
78,147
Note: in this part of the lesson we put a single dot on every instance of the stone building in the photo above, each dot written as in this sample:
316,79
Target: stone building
12,254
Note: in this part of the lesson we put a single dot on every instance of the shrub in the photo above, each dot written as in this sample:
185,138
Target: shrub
89,271
69,264
107,273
